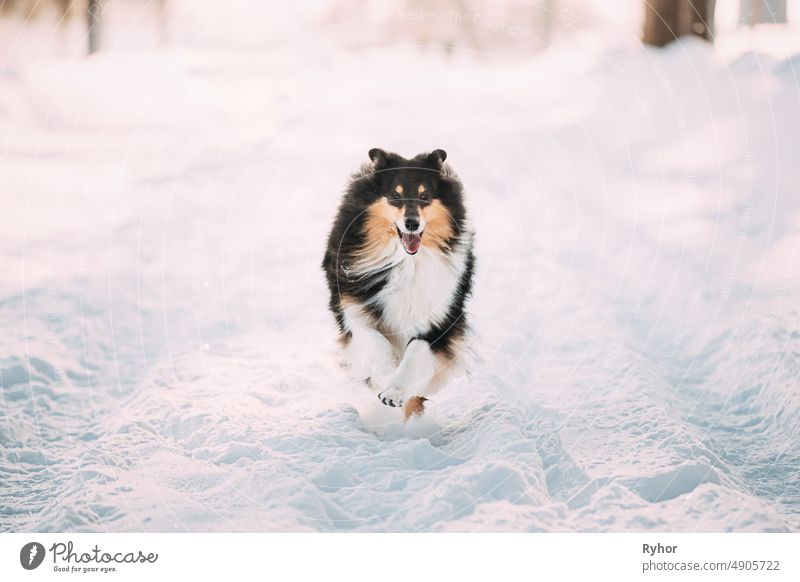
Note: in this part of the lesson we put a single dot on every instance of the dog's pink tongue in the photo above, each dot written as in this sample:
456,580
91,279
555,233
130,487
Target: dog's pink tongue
411,242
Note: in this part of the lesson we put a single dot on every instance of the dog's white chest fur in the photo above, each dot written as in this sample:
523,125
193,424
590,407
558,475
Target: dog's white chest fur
419,292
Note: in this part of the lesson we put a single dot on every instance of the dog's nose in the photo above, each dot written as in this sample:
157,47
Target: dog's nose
412,224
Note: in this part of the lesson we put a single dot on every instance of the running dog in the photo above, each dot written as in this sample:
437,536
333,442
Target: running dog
399,266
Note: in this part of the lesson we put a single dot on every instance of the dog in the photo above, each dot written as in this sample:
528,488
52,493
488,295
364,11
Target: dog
399,265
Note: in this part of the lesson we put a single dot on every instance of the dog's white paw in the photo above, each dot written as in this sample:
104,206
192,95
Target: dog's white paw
392,397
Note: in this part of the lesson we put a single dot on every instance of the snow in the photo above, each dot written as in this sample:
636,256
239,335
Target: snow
167,361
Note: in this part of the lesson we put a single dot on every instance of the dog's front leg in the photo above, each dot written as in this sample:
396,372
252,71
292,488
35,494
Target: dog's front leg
414,375
369,353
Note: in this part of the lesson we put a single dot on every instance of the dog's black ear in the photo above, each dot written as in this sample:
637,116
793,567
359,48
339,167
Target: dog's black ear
437,157
378,156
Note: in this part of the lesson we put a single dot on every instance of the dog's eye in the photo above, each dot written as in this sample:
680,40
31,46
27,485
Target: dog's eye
395,196
425,197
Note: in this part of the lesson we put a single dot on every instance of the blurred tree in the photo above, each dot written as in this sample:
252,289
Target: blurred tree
479,26
762,11
163,20
64,8
91,10
30,8
661,21
93,22
666,20
701,18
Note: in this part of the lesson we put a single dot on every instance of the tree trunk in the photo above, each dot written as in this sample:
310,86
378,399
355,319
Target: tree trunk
762,11
666,20
93,16
661,21
701,18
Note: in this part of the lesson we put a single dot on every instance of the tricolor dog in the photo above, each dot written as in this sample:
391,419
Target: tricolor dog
399,266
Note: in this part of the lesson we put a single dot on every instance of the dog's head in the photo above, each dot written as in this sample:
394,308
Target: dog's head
416,200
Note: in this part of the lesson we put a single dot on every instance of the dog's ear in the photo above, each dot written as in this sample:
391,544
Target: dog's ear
437,157
378,157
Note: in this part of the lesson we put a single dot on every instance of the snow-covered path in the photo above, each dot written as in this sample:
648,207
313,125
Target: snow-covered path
167,361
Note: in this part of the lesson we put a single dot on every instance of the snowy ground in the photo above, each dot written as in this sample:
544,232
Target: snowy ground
167,361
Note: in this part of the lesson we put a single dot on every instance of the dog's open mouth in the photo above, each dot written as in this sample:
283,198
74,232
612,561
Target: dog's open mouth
411,241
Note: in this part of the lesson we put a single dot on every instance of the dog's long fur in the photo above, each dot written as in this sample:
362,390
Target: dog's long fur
399,266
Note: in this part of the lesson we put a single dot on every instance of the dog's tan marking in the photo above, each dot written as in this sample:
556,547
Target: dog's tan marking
379,230
438,229
421,189
447,365
346,301
414,407
398,189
